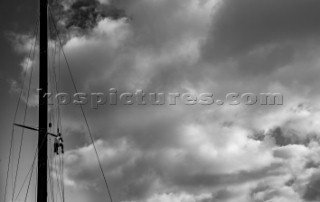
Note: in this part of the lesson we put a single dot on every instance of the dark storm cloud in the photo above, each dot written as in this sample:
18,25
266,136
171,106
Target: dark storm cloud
284,137
85,14
281,139
260,35
312,192
227,179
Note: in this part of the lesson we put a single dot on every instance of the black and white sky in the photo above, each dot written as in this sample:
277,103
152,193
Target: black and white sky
180,153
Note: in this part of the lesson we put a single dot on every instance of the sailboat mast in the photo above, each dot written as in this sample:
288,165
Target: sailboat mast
43,103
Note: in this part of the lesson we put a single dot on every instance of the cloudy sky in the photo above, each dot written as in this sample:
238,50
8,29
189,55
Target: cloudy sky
179,153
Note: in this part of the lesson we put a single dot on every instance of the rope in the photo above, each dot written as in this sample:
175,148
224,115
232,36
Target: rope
84,116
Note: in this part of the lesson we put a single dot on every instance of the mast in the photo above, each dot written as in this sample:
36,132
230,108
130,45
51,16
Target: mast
43,103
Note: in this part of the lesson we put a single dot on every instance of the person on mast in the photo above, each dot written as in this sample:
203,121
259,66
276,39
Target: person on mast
58,143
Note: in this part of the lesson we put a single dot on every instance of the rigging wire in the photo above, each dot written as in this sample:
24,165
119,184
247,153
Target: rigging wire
61,162
36,189
55,162
50,143
59,122
57,90
31,168
24,120
50,178
82,110
35,157
62,176
56,165
25,179
17,107
27,193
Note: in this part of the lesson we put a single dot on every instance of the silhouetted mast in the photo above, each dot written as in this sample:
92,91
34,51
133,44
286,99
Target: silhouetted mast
43,103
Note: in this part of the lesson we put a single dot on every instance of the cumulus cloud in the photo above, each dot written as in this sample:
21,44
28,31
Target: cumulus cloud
196,153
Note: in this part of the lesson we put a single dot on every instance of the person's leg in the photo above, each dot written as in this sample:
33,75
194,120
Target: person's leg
55,146
62,148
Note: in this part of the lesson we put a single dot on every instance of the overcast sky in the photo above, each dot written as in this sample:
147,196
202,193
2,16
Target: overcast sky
180,153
